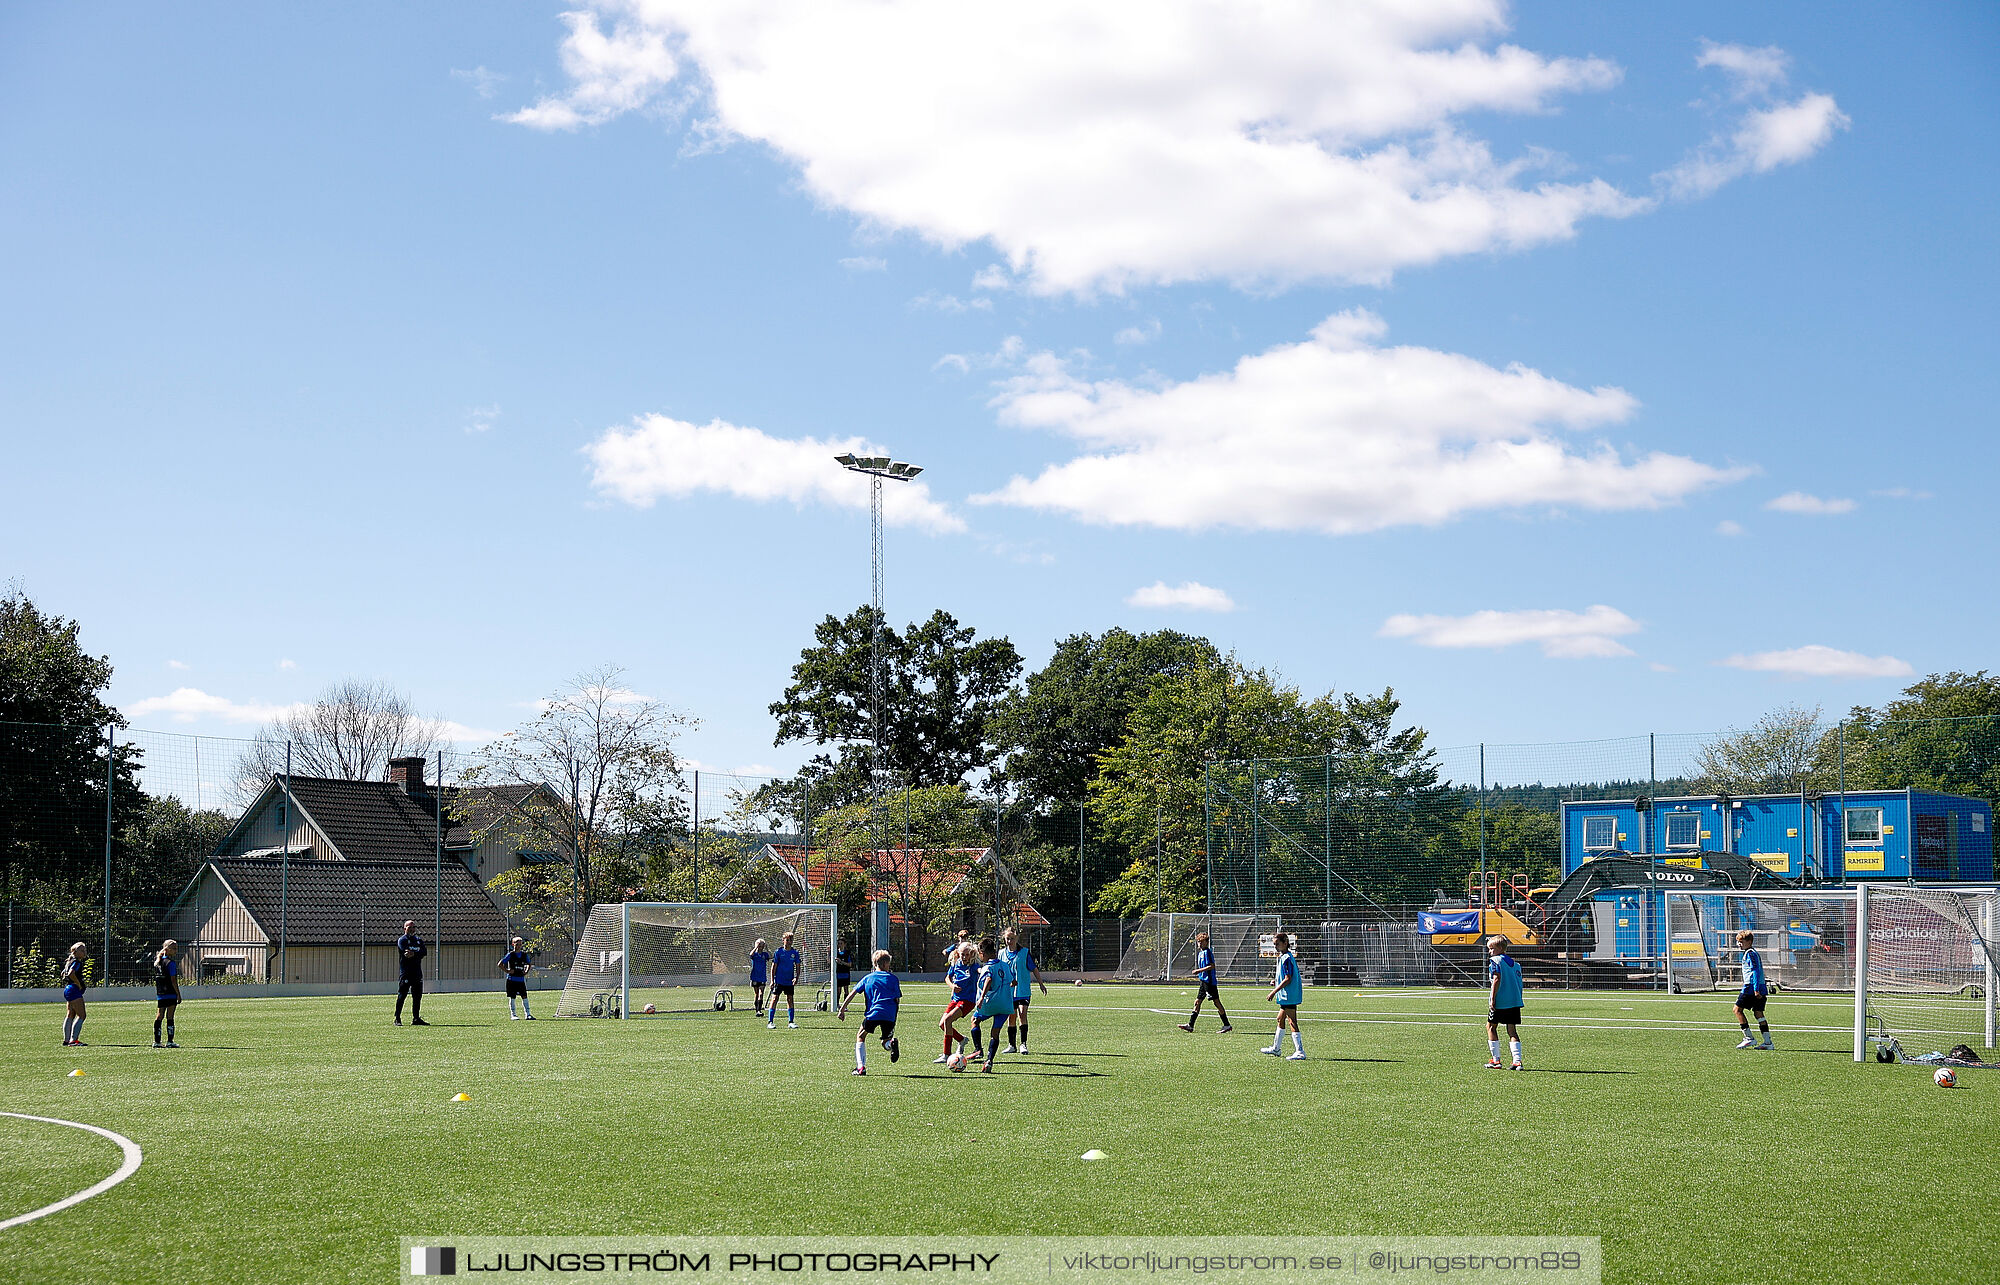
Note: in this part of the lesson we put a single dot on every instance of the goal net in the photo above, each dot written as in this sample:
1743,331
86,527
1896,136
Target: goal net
685,958
1162,947
1805,939
1924,973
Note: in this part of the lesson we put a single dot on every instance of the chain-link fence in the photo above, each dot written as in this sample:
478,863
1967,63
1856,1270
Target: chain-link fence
118,839
1384,869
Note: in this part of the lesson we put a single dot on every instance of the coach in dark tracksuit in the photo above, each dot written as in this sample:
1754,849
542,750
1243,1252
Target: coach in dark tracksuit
410,952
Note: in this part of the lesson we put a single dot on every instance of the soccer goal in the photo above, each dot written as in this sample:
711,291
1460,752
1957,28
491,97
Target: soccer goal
689,958
1162,946
1925,965
1805,938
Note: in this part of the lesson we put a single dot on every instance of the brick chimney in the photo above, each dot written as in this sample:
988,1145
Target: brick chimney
408,773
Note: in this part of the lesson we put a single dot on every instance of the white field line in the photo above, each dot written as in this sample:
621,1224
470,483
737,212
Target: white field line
126,1170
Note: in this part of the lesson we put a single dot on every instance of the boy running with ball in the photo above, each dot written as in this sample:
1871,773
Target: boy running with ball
1503,1002
1755,989
883,995
1287,991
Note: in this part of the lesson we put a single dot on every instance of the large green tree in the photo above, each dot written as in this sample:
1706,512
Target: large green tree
1075,708
1942,733
53,723
941,687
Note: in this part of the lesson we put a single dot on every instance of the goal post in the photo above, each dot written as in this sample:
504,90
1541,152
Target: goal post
1925,966
684,957
1162,947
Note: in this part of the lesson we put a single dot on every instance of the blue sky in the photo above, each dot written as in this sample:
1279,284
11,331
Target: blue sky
1578,371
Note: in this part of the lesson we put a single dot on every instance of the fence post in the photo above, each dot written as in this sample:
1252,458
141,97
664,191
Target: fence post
437,838
696,830
1840,823
1208,845
1080,931
1482,841
285,867
110,788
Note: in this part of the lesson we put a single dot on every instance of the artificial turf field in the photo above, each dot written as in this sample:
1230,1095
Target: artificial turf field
298,1139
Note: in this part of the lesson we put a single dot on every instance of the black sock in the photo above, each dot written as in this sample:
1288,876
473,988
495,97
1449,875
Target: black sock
170,1030
1024,1031
1765,1027
156,1030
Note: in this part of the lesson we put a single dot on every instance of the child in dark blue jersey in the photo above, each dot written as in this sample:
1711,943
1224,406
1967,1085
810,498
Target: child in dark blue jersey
760,963
73,983
1503,1002
514,964
843,973
784,977
166,990
1204,982
1755,990
963,978
883,995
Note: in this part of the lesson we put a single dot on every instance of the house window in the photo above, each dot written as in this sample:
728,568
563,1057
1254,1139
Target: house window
1683,829
1864,827
1600,834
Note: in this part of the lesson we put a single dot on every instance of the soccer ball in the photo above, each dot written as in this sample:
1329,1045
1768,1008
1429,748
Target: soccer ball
1946,1077
650,1009
956,1062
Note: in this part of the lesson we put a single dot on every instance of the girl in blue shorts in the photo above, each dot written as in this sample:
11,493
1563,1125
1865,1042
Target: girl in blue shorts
73,983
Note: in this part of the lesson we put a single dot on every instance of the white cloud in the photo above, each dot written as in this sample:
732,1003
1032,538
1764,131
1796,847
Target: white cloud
1335,434
1810,505
1815,661
484,81
1144,333
1728,527
1563,635
288,664
460,734
660,457
1658,668
1764,136
186,704
481,418
865,264
177,664
616,71
1901,493
992,277
1103,146
1754,70
951,303
1189,595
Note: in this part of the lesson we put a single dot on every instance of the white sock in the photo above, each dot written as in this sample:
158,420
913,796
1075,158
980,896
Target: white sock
1495,1046
525,1009
1514,1047
1298,1044
861,1054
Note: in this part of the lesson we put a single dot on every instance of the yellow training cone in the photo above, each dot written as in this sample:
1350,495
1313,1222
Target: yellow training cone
463,1097
1094,1154
75,1073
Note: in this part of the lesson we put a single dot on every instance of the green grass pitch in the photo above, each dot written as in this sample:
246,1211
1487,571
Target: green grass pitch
297,1139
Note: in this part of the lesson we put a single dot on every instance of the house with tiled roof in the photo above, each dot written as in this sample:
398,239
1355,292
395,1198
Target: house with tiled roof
315,880
929,876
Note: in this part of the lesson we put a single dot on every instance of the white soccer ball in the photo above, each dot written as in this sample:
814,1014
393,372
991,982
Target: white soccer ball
1946,1077
649,1009
956,1062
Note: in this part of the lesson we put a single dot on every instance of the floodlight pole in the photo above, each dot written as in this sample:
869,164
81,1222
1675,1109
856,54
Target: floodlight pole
876,468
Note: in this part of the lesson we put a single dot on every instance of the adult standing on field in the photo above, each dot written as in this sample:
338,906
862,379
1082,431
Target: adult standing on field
410,952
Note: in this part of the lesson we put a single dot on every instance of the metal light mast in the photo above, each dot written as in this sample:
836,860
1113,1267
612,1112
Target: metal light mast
877,468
